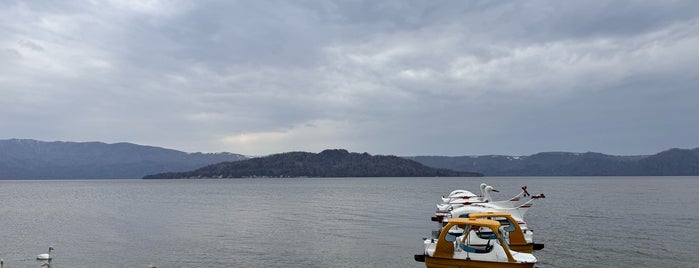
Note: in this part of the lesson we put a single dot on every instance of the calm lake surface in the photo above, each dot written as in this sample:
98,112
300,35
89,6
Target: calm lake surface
329,222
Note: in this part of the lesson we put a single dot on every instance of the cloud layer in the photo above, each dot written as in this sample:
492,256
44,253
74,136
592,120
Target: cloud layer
389,77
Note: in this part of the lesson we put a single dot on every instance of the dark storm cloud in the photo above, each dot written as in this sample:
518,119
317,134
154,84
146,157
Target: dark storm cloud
398,77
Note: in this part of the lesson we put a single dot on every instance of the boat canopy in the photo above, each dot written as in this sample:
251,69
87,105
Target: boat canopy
516,235
492,224
445,243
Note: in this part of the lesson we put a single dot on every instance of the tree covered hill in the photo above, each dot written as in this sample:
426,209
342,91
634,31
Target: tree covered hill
32,159
329,163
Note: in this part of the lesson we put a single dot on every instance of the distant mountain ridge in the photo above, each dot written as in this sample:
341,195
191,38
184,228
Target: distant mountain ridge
673,162
328,163
32,159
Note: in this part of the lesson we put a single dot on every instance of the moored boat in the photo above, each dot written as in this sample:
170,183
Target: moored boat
472,242
458,200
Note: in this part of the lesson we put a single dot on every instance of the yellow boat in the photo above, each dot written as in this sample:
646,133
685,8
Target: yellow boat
469,242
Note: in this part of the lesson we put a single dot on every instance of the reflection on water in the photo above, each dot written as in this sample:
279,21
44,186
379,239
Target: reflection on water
320,222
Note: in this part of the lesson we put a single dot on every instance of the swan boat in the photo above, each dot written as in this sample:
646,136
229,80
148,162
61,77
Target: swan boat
468,242
458,207
460,198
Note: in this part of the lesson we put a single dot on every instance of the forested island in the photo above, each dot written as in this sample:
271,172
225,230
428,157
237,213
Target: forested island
328,163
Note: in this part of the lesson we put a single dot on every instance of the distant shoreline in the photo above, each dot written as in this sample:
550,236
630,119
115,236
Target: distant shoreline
26,159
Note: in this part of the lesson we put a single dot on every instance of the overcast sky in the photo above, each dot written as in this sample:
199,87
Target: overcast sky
384,77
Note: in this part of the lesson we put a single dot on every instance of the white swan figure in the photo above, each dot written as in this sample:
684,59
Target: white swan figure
482,187
486,192
45,256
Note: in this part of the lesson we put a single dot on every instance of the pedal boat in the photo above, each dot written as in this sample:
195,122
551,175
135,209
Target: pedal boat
459,198
480,244
457,206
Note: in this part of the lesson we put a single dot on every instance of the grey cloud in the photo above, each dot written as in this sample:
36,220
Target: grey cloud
396,77
30,45
9,53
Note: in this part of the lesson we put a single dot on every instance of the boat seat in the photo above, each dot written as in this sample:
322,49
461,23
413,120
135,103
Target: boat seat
486,235
456,234
466,248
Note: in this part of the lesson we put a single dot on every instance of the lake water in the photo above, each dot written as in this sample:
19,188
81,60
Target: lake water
323,222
